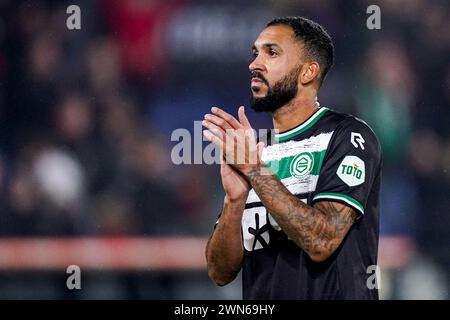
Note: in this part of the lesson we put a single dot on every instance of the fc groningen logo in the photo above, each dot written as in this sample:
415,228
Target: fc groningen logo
302,164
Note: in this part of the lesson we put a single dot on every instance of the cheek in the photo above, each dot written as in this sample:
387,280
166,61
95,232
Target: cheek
276,72
274,77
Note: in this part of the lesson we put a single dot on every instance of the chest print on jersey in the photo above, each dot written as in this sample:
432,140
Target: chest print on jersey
256,223
301,165
298,161
297,164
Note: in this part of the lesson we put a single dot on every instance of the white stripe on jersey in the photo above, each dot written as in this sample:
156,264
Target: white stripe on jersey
291,148
293,184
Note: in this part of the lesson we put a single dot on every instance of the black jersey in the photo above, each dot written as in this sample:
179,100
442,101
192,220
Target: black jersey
334,157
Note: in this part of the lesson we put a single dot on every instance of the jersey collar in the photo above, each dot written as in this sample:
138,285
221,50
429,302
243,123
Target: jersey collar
301,127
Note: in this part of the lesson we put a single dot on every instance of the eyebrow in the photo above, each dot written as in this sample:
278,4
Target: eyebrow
267,45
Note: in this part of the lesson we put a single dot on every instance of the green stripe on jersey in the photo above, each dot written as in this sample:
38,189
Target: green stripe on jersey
343,197
282,167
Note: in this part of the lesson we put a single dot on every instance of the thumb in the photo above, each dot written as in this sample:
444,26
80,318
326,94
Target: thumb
243,118
259,148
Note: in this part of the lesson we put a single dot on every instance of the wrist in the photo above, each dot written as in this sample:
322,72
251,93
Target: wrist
251,171
256,171
236,200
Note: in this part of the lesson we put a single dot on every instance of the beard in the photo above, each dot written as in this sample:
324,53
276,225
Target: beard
283,91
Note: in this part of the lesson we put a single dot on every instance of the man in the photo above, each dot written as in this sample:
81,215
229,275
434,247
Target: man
309,228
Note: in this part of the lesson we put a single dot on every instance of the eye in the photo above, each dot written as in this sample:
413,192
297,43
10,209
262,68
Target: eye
272,53
255,54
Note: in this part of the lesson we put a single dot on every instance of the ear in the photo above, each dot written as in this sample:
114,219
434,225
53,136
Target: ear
310,72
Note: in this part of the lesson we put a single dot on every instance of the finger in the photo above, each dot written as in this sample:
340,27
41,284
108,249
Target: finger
222,155
227,117
215,129
217,134
222,158
250,133
243,118
213,138
218,121
240,146
260,148
250,149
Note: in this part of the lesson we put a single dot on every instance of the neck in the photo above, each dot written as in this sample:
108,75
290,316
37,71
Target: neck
293,113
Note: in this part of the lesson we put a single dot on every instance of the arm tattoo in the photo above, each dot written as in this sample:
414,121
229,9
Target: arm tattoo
317,230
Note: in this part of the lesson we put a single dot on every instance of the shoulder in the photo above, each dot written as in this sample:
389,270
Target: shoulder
354,131
345,122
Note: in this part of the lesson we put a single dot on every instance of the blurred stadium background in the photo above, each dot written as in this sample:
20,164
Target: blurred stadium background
86,117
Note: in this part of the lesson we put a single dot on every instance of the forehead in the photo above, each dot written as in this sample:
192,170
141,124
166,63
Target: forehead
280,35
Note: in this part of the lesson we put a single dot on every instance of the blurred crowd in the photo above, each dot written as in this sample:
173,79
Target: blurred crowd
86,115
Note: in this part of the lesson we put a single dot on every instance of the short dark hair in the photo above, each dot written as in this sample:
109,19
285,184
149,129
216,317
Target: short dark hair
316,40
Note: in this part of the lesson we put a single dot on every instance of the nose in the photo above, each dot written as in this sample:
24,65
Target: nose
256,65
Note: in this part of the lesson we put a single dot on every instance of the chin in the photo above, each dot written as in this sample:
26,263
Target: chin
257,95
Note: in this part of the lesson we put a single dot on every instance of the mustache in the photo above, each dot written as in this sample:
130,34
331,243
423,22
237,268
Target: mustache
256,74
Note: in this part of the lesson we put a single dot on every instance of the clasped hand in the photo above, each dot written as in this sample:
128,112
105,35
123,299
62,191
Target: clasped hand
236,139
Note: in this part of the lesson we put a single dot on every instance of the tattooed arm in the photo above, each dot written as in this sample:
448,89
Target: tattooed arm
318,230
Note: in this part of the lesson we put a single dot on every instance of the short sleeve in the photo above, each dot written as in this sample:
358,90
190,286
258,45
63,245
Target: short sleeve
351,164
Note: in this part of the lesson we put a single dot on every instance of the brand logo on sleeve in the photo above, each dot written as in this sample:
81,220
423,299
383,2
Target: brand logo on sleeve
302,164
352,171
357,140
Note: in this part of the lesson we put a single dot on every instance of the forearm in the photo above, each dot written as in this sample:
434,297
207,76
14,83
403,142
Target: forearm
224,251
310,228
